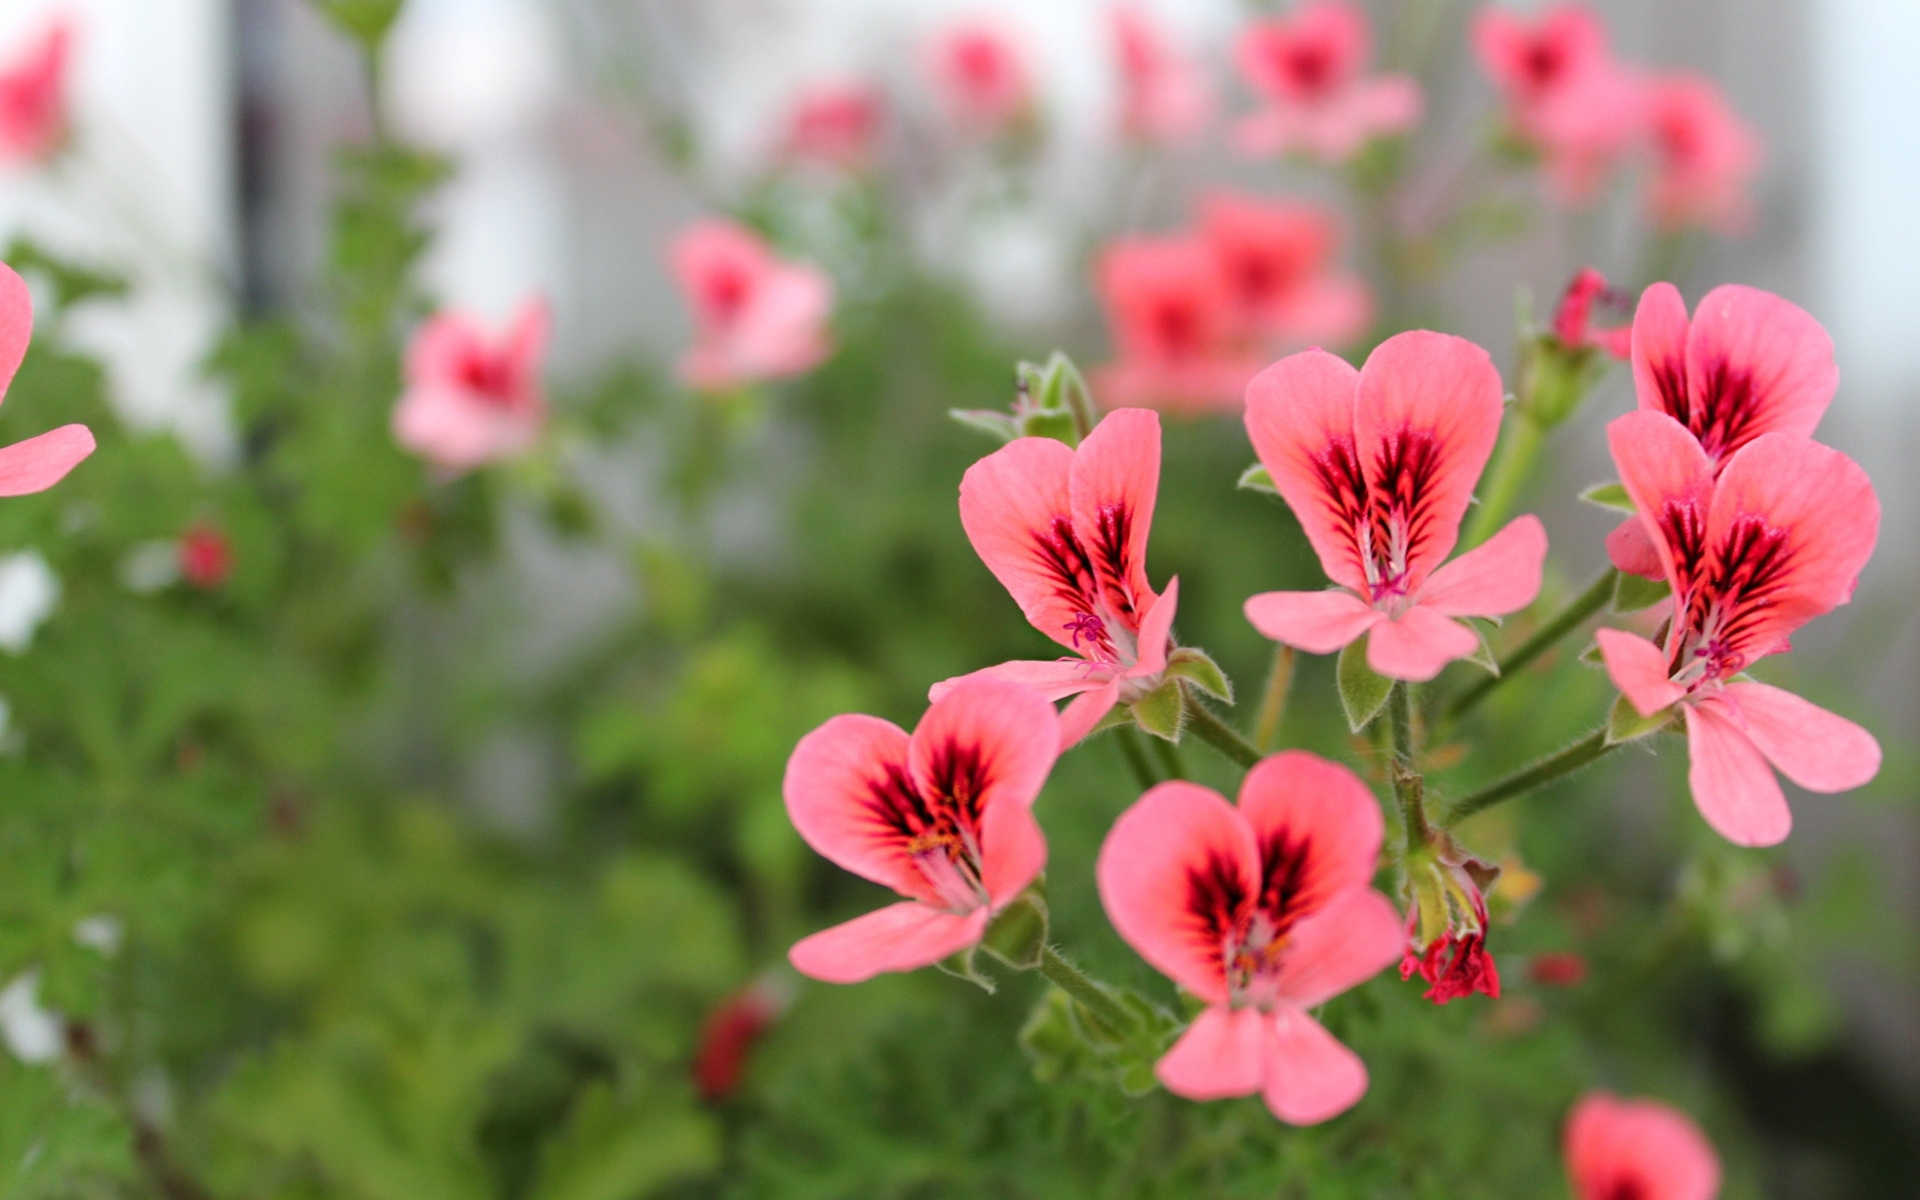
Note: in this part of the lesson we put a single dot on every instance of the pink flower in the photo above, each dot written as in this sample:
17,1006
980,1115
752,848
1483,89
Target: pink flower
1308,69
1164,96
835,124
471,398
1776,540
1379,466
1277,260
1065,530
39,462
1638,1150
1748,363
1565,93
1446,940
206,556
981,75
33,108
1262,911
1572,320
1174,327
1706,156
755,316
943,817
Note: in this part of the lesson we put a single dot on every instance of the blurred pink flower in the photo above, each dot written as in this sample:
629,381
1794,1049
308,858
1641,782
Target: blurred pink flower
1706,157
33,108
1263,911
1778,538
471,398
1277,257
981,75
1308,70
39,462
730,1032
756,317
206,556
1573,319
1164,96
1174,328
835,124
942,817
1379,466
1065,530
1640,1149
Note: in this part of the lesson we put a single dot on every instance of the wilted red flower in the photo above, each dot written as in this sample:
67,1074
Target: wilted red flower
206,556
1573,319
728,1037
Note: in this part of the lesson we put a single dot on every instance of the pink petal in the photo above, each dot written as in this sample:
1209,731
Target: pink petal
1015,508
1346,943
1156,631
1013,851
1417,645
451,427
1112,484
782,330
1500,576
16,324
527,338
1630,548
1300,418
1639,669
1733,786
832,780
1175,836
1818,750
1078,719
441,349
1668,476
40,462
1430,405
1755,364
1302,800
1317,622
899,937
994,740
1310,1075
1615,1146
1388,104
1223,1053
1054,678
1331,310
1660,351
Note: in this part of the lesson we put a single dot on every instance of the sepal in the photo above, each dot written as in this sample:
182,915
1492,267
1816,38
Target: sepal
1483,657
1632,593
1064,1040
1611,496
961,966
1161,711
1193,665
1257,478
1018,932
1362,693
994,424
1625,724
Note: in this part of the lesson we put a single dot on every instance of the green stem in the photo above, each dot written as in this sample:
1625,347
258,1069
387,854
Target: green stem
1273,704
1512,464
1092,995
1564,622
1220,735
1408,786
1563,762
1169,756
1128,739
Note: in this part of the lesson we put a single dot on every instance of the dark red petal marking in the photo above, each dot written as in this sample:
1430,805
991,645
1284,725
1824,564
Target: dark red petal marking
1683,524
1112,560
1750,567
1630,1188
1217,908
948,819
1400,516
1670,380
1343,492
1722,417
1284,884
1059,553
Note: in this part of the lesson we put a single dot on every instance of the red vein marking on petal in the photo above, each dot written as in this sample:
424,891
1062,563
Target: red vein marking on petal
1400,519
940,833
1723,417
1110,554
1217,901
1749,567
1343,489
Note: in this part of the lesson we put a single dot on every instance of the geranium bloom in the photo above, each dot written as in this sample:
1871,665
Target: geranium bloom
1638,1150
1277,259
1447,924
1748,363
1309,71
39,462
1706,156
1379,466
472,398
33,108
755,316
943,817
1573,318
1263,911
1174,327
1776,540
1065,530
835,124
1164,96
981,74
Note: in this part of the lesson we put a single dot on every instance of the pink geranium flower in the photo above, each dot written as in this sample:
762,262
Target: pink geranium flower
39,462
1262,911
981,75
835,124
1164,96
1379,466
1066,531
1309,70
942,817
1573,318
1638,1149
1748,363
1777,539
472,398
1277,257
1705,155
1174,327
756,317
33,97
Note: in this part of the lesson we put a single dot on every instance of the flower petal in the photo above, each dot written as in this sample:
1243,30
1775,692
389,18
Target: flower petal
1156,629
1322,816
1670,481
1346,943
899,937
1639,670
1078,719
16,324
836,789
1497,577
1755,364
1310,1075
1015,507
40,462
1317,622
1013,851
1163,870
1733,786
1819,750
987,742
1617,1146
1660,351
1630,548
1417,645
1300,420
1054,678
1427,416
1223,1053
1112,484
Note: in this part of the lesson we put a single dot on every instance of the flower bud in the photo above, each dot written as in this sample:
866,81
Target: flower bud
731,1030
1447,922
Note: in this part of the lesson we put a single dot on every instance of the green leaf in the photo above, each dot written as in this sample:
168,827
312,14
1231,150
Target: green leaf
615,1148
1055,424
1609,495
366,21
1256,478
1019,933
1362,693
1161,710
1592,657
1631,593
1193,665
1625,724
993,424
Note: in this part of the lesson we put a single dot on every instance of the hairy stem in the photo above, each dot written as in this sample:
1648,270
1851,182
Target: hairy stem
1562,762
1273,703
1128,739
1563,622
1091,994
1512,464
1408,786
1169,756
1218,734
